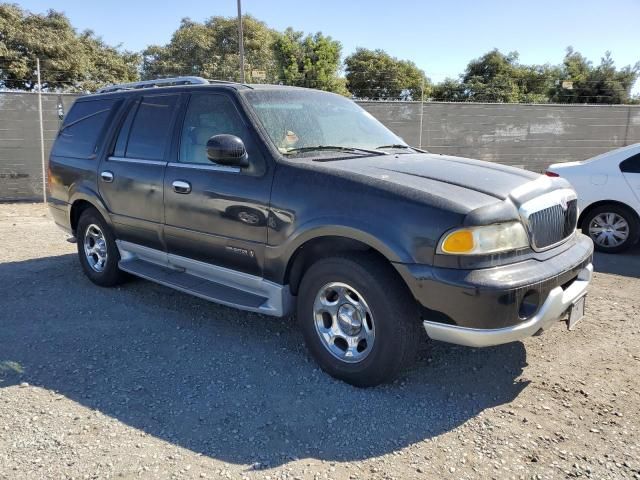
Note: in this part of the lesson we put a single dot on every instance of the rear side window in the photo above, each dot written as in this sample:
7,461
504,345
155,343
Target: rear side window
631,164
150,131
78,137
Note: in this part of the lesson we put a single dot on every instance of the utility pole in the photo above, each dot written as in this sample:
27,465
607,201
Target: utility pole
241,41
44,167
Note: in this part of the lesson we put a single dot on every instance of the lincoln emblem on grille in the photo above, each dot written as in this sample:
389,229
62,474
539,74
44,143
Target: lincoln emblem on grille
563,203
550,218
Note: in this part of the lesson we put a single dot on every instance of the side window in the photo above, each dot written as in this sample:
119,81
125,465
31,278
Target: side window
150,131
631,164
123,135
81,129
208,115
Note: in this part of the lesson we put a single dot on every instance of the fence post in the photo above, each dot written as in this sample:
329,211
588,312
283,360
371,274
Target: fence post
44,168
421,113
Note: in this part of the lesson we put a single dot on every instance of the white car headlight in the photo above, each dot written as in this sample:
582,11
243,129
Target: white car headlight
486,239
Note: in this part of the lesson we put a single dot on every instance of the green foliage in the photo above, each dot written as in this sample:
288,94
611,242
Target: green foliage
376,75
211,50
496,77
73,61
69,61
601,84
309,61
449,90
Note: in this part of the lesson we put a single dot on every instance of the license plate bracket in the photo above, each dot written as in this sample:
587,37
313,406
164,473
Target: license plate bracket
576,312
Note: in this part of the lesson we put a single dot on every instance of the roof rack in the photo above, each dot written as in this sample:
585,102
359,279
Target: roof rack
160,82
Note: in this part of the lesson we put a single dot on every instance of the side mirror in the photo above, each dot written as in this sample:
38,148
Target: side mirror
227,150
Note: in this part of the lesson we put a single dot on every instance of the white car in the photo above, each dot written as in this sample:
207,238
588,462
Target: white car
608,189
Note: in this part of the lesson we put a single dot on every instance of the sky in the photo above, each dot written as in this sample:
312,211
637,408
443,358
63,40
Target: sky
439,36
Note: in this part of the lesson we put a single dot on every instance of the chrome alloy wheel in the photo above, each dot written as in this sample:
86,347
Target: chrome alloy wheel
344,322
609,230
95,248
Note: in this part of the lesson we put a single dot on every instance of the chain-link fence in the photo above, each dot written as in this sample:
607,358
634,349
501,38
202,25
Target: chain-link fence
20,147
523,135
529,136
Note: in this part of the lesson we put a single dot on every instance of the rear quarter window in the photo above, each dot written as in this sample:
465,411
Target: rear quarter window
631,164
81,129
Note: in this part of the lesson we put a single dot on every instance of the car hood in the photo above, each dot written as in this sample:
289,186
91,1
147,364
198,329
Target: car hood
468,183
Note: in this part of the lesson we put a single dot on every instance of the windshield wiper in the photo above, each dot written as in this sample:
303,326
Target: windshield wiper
403,146
394,145
334,147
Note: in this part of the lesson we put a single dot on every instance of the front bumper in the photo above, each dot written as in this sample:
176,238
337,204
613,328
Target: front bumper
555,306
484,307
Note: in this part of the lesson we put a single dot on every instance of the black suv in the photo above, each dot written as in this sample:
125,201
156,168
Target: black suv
276,199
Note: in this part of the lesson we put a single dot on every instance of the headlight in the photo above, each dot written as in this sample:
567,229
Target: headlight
483,240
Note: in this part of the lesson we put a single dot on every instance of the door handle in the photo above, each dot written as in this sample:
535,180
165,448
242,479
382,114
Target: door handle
180,186
107,176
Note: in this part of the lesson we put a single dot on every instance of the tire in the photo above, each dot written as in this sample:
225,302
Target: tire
604,241
383,306
107,273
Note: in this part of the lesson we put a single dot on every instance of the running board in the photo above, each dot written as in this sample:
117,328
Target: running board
210,282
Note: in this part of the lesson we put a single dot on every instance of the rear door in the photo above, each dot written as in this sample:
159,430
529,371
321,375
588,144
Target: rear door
221,217
131,177
630,168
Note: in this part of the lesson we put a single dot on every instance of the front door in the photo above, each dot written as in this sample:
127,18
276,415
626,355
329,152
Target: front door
214,213
131,178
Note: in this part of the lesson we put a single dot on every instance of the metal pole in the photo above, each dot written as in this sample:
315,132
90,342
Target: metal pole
241,41
44,167
421,113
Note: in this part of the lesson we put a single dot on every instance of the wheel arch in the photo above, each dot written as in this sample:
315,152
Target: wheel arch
325,245
81,201
585,213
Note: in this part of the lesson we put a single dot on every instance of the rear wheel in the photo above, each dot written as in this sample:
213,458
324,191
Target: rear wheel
612,228
359,321
97,250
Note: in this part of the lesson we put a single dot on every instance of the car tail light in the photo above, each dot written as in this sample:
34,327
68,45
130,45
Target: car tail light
551,174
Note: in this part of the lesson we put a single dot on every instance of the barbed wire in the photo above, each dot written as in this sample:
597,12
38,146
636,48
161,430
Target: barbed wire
345,73
381,87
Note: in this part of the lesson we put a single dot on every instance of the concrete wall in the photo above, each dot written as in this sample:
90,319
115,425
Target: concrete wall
20,165
529,136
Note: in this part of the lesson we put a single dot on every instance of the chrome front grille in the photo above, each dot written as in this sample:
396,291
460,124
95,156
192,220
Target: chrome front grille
551,218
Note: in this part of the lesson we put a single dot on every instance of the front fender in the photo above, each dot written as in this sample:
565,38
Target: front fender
277,257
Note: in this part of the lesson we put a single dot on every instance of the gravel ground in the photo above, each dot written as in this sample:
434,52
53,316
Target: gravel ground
145,382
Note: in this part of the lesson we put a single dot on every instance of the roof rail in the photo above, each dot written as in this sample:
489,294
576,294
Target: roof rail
230,82
160,82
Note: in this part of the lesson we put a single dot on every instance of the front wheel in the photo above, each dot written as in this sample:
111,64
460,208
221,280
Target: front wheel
612,228
358,319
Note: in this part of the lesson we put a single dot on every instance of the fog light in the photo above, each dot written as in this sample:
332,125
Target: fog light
529,305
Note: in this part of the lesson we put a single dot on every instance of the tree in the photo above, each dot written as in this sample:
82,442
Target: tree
496,77
589,84
69,61
376,75
309,61
211,50
449,90
536,82
492,78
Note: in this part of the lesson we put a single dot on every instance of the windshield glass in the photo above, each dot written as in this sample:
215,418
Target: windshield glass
298,120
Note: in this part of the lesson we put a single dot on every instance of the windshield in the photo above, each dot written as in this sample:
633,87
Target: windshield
299,120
